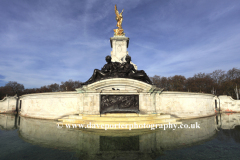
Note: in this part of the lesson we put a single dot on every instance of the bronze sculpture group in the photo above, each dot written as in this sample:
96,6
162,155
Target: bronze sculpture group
122,103
118,70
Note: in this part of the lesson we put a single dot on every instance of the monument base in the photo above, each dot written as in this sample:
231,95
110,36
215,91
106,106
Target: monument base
118,95
87,101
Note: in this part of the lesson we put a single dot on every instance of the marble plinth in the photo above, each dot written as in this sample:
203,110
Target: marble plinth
119,45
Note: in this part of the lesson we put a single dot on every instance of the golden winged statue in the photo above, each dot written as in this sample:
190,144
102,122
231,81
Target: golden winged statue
119,17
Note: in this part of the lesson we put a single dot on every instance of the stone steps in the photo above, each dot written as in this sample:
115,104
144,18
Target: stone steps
126,115
116,119
122,126
117,122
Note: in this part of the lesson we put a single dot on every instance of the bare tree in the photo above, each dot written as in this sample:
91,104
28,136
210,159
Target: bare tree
233,74
70,85
54,87
218,76
177,83
14,87
156,80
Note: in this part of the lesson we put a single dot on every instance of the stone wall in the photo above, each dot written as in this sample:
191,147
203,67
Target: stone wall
86,100
185,104
228,104
52,105
8,104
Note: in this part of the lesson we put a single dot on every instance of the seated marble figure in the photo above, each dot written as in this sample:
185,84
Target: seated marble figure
118,70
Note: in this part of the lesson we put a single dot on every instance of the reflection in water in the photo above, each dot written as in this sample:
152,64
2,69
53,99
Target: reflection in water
49,140
228,120
119,143
230,127
8,121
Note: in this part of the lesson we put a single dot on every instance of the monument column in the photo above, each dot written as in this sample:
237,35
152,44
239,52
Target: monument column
119,42
119,45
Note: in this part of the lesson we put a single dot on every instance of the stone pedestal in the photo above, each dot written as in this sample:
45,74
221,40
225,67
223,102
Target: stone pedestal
90,95
119,45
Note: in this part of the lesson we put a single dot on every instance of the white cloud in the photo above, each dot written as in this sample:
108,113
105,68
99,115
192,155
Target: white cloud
44,43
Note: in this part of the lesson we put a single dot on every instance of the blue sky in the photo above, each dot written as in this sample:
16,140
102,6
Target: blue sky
50,41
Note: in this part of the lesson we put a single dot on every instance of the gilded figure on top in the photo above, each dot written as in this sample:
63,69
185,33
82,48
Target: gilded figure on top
119,17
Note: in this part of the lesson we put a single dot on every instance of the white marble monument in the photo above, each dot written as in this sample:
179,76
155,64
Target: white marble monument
119,45
130,95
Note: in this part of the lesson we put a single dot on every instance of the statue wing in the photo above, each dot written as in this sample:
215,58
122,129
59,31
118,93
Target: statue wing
116,11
